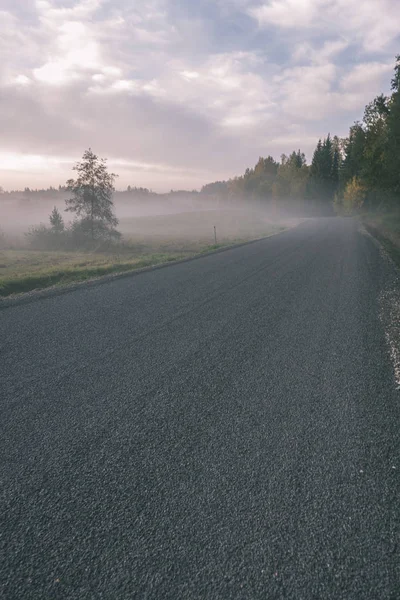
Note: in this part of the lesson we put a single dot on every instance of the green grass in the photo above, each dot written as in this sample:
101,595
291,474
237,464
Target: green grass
26,270
23,270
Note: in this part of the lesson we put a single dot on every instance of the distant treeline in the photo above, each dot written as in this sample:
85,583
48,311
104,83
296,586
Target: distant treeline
61,193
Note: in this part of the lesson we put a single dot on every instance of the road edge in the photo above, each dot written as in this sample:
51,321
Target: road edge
391,250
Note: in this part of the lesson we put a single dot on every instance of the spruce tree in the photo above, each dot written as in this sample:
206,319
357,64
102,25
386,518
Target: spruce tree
56,221
336,159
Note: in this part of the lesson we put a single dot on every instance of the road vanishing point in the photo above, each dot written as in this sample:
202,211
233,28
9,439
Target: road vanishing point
223,428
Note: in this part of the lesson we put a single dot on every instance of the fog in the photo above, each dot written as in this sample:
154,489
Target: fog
179,215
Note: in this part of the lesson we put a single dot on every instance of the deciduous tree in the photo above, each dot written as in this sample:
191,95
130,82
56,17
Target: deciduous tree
92,195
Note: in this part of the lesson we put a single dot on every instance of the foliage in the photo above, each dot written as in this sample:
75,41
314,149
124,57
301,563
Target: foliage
292,176
393,134
91,234
41,237
354,196
92,193
372,155
92,203
217,187
56,221
353,148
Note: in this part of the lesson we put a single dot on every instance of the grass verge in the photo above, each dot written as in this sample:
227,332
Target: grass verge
44,278
386,229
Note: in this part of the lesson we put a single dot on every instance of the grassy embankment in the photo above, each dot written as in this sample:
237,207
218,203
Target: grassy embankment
148,241
385,227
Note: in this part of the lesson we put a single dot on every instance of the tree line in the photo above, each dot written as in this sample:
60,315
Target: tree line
345,174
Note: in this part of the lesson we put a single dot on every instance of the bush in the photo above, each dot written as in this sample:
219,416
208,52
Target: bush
45,238
92,235
354,196
83,234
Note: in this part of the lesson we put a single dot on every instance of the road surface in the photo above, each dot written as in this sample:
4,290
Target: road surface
225,428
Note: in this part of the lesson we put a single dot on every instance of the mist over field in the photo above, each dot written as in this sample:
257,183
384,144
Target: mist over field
180,216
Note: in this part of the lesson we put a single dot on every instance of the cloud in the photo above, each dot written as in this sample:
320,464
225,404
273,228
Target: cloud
49,12
187,91
365,77
72,40
371,23
21,80
307,91
308,52
361,83
287,13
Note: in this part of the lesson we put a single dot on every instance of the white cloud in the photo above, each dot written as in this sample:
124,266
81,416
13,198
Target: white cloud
188,75
50,13
22,80
365,77
226,88
195,89
363,82
319,91
372,23
306,91
73,42
309,52
287,13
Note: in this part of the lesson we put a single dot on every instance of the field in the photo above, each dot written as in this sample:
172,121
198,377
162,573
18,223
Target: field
199,225
147,241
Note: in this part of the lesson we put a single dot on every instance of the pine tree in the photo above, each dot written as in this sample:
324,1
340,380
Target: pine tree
374,171
320,186
326,162
336,159
352,164
316,164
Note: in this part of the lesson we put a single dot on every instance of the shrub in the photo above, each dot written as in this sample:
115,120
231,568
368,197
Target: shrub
354,196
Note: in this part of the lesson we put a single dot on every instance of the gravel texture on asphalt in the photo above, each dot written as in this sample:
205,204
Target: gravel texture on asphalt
221,428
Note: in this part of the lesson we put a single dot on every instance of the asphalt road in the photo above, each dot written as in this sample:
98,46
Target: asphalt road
222,428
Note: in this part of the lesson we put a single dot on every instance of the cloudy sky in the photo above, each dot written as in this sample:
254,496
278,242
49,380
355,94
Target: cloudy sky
177,93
